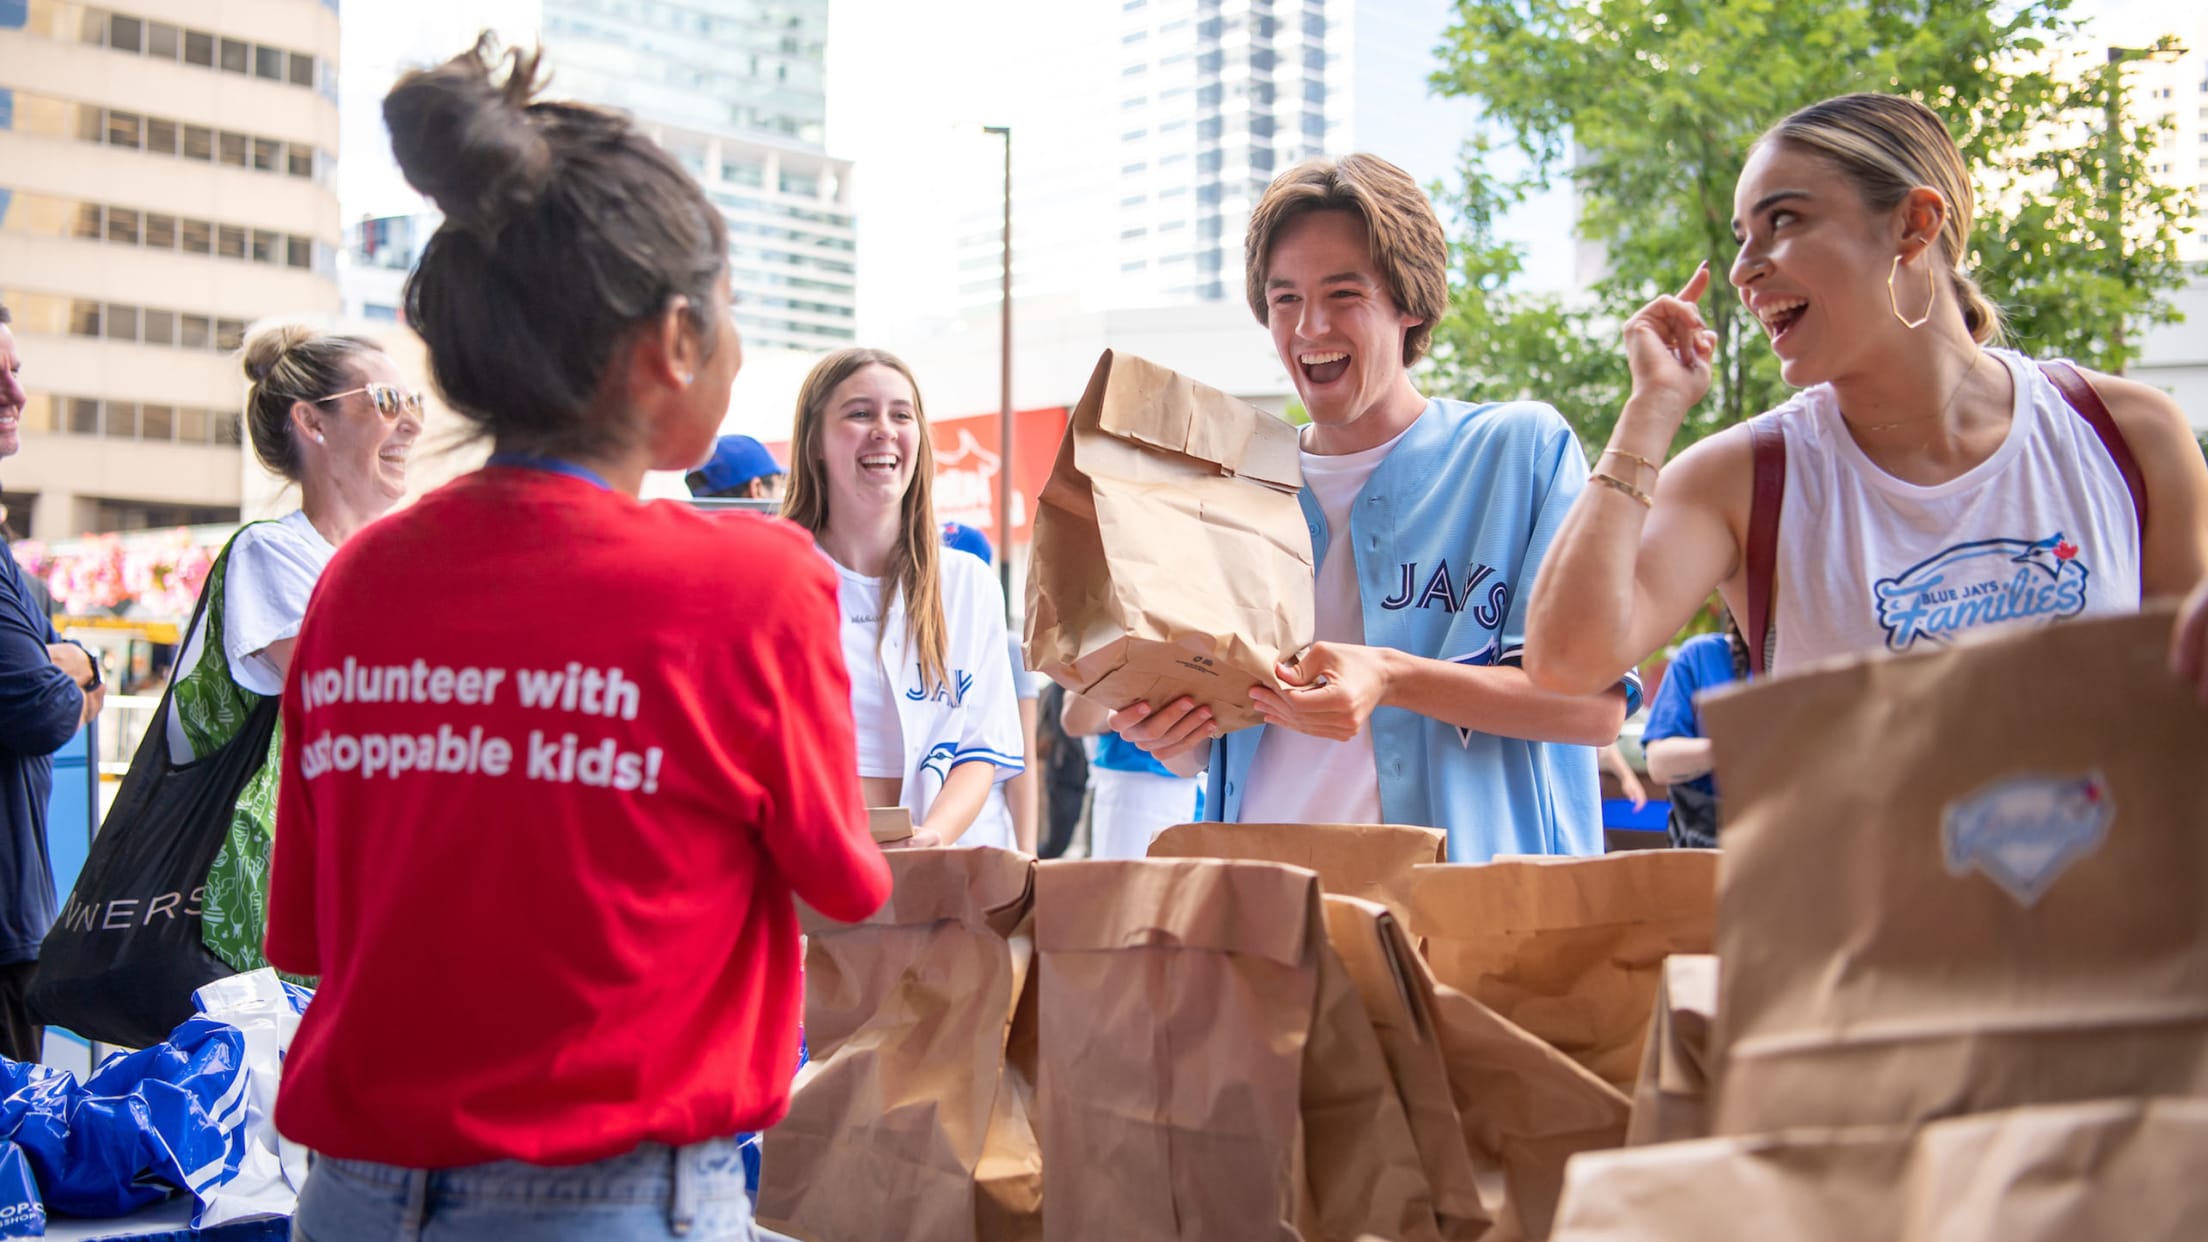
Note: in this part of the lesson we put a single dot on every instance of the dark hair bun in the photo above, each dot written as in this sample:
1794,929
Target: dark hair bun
467,141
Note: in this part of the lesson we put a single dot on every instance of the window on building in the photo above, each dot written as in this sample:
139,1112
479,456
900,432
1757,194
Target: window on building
158,327
229,334
157,422
195,237
302,70
121,322
89,224
199,143
84,416
236,56
199,49
298,252
160,231
195,331
119,420
163,40
268,62
124,129
125,34
194,426
122,226
231,149
230,241
160,136
299,160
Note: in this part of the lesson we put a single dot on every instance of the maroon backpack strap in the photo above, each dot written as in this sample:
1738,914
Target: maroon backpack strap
1767,442
2079,392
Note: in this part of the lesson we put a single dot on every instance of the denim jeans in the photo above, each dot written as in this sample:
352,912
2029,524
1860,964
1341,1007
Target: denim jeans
695,1194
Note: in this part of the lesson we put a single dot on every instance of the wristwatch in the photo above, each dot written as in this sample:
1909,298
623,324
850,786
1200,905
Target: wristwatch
98,679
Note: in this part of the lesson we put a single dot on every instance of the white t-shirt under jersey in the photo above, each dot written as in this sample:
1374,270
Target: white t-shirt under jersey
1296,778
2040,531
880,736
265,587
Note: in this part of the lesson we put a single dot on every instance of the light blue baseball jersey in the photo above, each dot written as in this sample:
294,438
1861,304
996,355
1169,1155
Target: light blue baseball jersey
1448,534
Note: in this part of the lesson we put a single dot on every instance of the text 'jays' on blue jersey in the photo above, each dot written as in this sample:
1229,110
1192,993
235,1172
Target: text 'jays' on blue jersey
1448,534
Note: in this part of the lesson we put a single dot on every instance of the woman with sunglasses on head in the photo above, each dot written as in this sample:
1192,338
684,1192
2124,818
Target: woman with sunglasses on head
923,632
332,415
558,762
1925,483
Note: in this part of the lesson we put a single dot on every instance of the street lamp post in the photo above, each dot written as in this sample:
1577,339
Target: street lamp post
2112,138
1005,458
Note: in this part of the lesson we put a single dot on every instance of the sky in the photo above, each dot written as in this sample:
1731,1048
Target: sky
909,87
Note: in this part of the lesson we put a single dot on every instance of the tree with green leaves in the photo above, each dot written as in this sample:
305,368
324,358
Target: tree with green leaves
1650,108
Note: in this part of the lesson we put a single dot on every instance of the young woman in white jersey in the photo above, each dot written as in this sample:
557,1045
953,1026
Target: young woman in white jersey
937,718
1924,483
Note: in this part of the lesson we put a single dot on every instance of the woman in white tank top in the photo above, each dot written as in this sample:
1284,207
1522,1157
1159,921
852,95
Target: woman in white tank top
1932,484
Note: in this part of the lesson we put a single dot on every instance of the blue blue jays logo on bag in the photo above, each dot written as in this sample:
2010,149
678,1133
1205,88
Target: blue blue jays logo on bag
1980,583
2025,831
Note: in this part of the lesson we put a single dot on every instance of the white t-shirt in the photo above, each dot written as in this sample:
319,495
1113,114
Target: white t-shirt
1296,778
873,703
2040,531
272,571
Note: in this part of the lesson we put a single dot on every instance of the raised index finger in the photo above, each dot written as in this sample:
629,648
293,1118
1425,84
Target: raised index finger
1696,284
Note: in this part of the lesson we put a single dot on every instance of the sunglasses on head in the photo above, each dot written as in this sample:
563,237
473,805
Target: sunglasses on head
390,399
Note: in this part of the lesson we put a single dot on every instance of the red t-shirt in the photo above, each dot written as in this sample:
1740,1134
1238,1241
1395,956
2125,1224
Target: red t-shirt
555,763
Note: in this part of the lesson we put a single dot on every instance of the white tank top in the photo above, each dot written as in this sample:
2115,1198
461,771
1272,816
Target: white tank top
2041,531
880,735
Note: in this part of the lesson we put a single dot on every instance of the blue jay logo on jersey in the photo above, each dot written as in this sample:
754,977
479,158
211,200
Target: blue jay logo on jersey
954,693
1437,588
939,759
1980,583
2025,831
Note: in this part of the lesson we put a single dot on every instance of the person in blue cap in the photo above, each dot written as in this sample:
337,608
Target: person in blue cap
740,467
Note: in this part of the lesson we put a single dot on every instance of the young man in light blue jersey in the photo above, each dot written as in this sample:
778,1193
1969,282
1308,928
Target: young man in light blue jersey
1428,521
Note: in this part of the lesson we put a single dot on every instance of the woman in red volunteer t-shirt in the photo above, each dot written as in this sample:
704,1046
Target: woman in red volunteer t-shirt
556,761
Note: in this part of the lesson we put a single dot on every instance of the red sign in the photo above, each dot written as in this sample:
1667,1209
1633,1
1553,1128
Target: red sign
968,466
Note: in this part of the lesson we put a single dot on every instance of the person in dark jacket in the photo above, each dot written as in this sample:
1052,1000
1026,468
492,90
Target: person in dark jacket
48,689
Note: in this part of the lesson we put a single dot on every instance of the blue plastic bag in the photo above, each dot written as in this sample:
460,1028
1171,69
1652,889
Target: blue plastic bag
22,1214
140,1128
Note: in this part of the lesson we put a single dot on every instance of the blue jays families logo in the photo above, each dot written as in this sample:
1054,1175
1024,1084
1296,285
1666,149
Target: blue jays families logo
1982,583
2025,831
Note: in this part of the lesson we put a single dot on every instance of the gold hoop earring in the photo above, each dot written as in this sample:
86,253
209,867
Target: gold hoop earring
1931,295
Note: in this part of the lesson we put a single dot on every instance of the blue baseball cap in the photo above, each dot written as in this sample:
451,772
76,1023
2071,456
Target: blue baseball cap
966,539
736,460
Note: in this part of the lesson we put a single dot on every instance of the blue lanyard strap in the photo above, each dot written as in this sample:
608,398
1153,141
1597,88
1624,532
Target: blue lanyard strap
550,465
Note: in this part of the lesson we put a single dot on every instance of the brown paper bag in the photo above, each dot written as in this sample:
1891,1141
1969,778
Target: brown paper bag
1398,999
1368,861
1569,948
1177,1000
1671,1100
1361,1163
1963,881
1526,1109
1171,555
2052,1173
912,1119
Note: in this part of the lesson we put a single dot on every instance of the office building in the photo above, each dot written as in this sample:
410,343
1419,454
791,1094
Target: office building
167,176
737,90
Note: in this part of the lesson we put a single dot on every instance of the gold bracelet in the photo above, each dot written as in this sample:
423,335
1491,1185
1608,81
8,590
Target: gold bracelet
1636,458
1617,484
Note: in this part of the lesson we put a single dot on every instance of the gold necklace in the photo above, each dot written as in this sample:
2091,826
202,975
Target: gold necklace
1968,371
